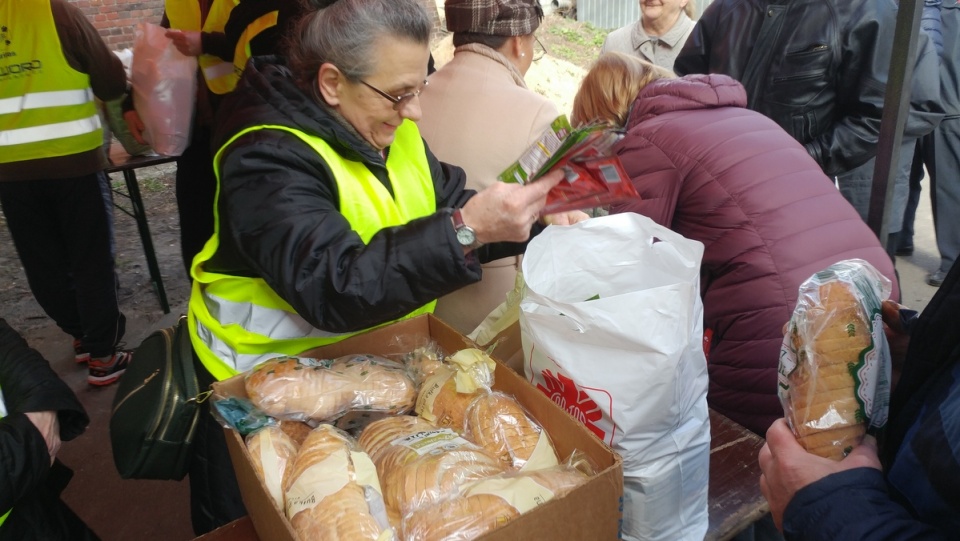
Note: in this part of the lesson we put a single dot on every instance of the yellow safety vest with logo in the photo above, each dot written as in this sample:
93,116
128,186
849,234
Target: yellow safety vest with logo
46,107
242,52
185,15
237,322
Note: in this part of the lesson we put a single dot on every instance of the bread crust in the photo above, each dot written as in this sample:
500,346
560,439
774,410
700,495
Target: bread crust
271,453
410,479
342,515
829,337
302,389
499,424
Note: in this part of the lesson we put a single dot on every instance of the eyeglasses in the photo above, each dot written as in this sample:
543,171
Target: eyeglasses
538,49
398,101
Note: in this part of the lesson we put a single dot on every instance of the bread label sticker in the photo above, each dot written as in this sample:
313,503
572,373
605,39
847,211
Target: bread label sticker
543,455
428,394
366,471
318,481
522,493
314,363
788,358
873,389
272,467
432,441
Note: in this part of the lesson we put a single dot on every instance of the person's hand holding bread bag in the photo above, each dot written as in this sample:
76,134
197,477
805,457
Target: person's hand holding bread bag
834,377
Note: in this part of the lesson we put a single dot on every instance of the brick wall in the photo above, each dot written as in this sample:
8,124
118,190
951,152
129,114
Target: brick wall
115,19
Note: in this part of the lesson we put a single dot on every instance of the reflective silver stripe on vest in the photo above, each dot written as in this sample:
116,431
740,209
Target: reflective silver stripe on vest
273,322
240,362
216,71
48,132
40,100
3,408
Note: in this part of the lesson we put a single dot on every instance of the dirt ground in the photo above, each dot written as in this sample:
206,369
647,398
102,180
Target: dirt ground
137,295
571,46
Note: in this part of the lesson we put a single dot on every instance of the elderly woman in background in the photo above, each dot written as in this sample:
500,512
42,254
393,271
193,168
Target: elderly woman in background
658,36
332,215
716,172
479,114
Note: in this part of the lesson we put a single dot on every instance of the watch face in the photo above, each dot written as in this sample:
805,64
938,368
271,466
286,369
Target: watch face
466,236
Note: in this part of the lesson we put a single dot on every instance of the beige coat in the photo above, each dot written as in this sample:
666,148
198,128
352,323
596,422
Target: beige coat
478,114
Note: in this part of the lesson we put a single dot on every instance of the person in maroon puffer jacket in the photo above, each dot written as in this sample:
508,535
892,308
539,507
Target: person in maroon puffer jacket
731,178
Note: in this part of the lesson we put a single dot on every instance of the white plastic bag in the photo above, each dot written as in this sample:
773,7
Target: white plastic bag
164,85
612,326
113,111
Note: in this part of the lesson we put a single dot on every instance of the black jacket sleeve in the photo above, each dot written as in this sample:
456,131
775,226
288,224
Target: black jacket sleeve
852,138
29,384
853,504
694,56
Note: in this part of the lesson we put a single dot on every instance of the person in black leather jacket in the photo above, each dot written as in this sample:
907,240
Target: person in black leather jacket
37,411
816,67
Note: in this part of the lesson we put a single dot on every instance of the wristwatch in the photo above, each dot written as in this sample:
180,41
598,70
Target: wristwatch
466,236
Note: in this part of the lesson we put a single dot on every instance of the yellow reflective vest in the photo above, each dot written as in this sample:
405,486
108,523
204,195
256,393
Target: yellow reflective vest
185,15
46,107
242,51
237,322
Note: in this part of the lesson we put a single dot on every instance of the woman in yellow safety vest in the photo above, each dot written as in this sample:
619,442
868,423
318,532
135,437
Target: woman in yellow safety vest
37,411
332,215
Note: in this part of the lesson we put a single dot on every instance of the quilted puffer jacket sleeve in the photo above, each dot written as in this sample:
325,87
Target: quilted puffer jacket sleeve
656,178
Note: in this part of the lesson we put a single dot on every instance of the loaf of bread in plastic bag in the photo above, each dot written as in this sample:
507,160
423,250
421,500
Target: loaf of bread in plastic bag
499,424
321,390
487,504
331,490
271,452
834,366
418,463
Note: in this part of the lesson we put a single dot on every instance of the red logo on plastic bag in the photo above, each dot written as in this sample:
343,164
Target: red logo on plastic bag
564,392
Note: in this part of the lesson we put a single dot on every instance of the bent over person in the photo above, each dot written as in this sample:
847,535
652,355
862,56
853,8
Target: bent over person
715,172
333,216
54,193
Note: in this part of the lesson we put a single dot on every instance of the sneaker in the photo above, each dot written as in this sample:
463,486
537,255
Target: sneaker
80,356
107,372
936,278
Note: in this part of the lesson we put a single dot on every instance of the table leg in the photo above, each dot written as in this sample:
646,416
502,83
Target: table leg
140,215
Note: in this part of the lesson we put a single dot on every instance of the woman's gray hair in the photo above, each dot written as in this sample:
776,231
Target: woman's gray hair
344,34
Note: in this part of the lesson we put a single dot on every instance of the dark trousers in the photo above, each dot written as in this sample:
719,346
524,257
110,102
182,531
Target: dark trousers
923,155
196,191
63,231
214,493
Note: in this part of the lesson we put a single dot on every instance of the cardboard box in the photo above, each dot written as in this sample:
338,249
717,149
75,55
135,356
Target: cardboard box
591,512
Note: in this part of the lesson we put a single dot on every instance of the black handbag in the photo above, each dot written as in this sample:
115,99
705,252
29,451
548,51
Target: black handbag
156,408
